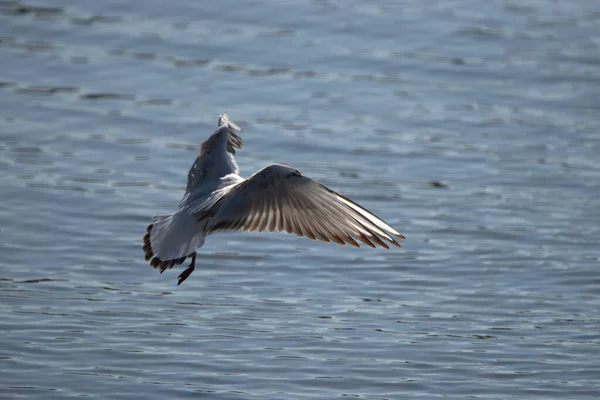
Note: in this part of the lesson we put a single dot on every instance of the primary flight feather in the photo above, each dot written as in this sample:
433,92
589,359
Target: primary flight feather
277,197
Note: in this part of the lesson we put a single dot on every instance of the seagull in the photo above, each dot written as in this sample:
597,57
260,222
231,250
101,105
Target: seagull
276,197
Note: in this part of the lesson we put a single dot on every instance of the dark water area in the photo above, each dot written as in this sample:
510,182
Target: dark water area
472,127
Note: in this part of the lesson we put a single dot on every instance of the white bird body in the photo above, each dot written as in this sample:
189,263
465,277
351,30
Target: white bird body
276,197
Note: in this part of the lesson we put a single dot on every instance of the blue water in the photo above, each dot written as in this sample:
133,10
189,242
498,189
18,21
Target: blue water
472,127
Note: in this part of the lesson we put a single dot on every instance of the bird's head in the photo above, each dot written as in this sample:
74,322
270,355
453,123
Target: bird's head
224,120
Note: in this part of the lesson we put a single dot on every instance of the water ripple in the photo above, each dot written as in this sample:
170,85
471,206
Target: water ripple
477,139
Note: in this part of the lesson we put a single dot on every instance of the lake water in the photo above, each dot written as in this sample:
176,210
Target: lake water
472,127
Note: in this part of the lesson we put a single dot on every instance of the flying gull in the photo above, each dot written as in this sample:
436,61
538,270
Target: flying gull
277,197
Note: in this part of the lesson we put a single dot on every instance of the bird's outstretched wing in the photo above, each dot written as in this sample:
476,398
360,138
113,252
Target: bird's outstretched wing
279,198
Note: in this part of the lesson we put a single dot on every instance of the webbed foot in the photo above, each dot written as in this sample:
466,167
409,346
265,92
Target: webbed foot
188,271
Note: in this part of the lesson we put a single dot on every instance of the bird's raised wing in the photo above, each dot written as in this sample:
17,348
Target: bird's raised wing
214,159
234,141
279,198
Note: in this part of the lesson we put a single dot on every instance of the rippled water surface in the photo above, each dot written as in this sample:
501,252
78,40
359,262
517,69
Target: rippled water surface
472,127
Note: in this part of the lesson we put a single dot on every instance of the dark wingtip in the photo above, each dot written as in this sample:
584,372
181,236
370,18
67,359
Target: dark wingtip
156,262
147,247
396,243
148,255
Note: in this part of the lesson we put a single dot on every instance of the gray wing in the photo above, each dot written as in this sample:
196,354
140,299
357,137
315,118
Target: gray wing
212,160
280,198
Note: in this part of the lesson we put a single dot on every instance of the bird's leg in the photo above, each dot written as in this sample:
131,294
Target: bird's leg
188,271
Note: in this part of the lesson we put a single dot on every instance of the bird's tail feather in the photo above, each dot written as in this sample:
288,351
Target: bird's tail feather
171,238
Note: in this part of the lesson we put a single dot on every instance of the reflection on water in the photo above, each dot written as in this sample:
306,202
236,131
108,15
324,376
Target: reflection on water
472,128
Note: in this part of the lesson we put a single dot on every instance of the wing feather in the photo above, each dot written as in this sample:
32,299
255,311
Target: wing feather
280,198
264,217
294,217
304,220
272,215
